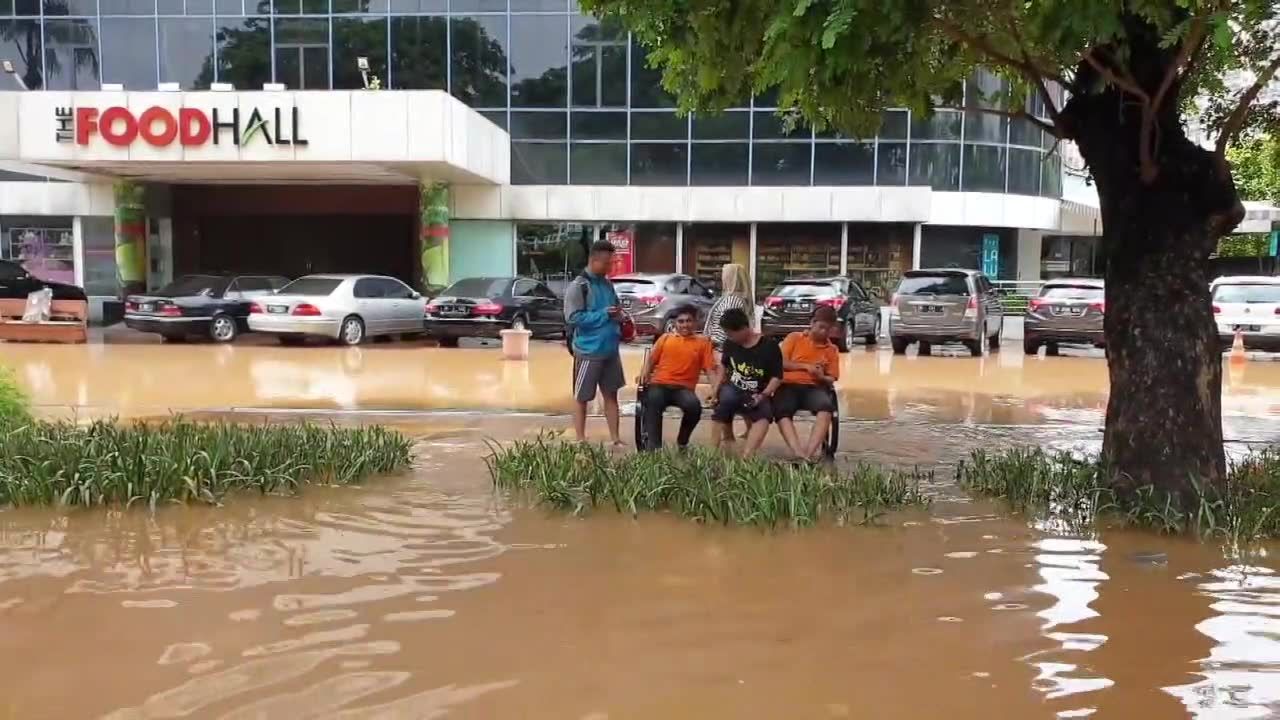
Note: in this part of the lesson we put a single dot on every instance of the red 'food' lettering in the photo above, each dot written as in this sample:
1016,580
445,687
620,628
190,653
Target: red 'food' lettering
193,127
86,123
150,118
122,135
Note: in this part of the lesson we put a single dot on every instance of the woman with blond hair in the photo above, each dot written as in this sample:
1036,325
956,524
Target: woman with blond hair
735,294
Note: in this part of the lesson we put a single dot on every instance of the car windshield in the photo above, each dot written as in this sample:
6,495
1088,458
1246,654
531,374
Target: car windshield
942,284
813,289
192,285
632,286
1073,292
1247,294
478,288
312,286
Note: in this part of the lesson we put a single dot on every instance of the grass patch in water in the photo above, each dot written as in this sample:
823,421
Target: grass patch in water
700,484
1070,490
109,463
13,402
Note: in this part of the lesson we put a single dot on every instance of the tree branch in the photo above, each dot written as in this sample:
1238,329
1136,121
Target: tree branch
1128,83
1038,78
1190,45
1053,130
1235,120
1026,65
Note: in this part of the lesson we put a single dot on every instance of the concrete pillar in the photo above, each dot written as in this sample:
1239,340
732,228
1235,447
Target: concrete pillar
917,238
1029,243
433,208
131,238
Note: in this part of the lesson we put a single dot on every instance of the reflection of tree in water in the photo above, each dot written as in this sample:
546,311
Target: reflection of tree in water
77,36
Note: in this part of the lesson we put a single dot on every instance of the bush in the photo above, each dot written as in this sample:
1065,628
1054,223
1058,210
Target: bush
700,484
106,463
13,402
1072,491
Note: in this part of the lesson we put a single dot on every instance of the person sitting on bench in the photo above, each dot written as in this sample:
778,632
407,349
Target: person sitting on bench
670,376
811,366
751,375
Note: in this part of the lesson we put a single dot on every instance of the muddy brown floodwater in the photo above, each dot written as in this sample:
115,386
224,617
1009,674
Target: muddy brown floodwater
428,596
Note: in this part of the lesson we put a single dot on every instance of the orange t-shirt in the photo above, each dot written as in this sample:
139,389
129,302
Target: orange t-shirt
798,348
679,360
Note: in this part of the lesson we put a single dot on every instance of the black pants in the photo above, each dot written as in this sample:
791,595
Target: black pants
660,397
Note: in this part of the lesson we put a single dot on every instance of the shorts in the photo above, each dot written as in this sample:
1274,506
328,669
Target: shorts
734,401
793,398
590,373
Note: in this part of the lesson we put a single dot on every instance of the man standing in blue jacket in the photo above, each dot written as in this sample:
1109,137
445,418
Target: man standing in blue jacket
593,318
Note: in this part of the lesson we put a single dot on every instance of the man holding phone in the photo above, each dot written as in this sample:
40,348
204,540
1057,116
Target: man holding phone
593,317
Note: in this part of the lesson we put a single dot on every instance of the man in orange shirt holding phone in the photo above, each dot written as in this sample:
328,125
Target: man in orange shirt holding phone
811,366
671,375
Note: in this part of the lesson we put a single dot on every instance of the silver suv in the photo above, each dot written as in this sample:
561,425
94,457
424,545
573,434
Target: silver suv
939,306
651,299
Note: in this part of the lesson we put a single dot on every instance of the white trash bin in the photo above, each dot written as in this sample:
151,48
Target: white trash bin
515,344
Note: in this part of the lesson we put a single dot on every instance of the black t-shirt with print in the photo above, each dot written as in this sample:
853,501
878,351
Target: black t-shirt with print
751,368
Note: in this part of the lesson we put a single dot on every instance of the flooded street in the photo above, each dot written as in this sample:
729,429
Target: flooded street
428,596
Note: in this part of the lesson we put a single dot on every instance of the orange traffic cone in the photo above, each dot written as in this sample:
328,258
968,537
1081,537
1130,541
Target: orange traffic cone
1237,348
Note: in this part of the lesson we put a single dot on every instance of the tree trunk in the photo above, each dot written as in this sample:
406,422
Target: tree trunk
1164,415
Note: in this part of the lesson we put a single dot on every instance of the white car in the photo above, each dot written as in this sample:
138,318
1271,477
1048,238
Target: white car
1250,304
346,308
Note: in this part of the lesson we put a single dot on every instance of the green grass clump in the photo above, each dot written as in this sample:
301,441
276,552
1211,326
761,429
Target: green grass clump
700,484
108,463
14,405
1072,491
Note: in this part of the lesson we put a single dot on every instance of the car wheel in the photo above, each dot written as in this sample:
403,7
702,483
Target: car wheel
874,338
447,342
925,350
222,329
352,331
669,325
900,345
993,342
975,346
1031,347
519,323
845,341
1051,349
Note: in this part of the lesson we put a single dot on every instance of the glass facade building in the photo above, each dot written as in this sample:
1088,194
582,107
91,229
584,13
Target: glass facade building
575,94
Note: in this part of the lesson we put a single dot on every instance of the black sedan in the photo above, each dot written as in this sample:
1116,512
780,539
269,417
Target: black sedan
211,306
789,308
16,284
484,306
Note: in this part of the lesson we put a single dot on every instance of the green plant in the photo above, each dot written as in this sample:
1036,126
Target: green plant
700,484
14,405
108,463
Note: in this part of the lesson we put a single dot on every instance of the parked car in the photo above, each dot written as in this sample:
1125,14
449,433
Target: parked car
484,306
939,306
651,299
1067,311
790,306
1250,304
345,308
16,284
212,306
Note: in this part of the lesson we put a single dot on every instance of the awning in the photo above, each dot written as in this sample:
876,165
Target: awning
1080,219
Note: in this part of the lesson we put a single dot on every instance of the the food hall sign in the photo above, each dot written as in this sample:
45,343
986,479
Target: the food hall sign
190,127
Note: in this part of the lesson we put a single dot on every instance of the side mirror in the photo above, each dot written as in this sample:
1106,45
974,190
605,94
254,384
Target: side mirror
416,295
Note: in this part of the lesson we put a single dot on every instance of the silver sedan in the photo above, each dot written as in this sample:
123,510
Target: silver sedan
346,308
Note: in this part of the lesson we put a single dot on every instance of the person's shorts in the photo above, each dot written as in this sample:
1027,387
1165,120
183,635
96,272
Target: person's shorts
791,399
733,401
590,373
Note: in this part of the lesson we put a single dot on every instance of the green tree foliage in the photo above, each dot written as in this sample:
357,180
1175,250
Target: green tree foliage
1255,163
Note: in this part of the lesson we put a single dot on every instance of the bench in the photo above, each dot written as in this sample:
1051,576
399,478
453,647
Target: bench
67,323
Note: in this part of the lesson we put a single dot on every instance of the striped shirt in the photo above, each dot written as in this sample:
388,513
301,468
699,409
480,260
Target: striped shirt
726,302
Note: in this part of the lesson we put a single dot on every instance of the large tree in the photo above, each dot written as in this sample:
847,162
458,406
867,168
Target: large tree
1132,70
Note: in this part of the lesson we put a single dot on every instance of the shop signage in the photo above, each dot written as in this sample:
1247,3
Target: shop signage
991,255
189,127
623,257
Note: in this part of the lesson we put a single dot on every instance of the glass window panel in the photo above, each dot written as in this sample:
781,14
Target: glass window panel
1051,176
286,7
315,7
659,164
315,68
1024,171
293,31
302,53
479,60
937,166
844,164
598,164
25,34
985,89
129,52
6,7
170,7
719,164
539,125
586,76
419,6
26,7
419,53
780,163
244,52
229,7
613,76
199,7
658,126
354,38
289,67
984,168
497,117
646,82
540,6
598,126
722,126
1024,132
893,125
71,54
942,125
539,60
538,163
771,126
359,6
479,6
186,52
891,164
985,127
767,99
71,7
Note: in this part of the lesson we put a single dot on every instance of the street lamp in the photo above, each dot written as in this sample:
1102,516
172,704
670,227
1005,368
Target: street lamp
9,69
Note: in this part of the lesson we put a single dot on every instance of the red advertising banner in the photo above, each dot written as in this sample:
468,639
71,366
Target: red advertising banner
623,242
